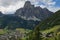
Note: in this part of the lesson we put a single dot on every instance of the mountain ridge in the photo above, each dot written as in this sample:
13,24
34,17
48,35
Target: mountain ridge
29,11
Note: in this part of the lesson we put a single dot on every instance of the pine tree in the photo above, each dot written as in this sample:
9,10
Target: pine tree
37,33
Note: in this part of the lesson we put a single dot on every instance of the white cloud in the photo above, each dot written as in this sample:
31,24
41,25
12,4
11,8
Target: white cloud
42,6
8,2
12,7
49,4
54,9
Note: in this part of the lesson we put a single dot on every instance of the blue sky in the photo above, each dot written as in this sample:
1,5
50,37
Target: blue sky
10,6
57,3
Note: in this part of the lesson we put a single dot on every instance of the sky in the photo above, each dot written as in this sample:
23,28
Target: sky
10,6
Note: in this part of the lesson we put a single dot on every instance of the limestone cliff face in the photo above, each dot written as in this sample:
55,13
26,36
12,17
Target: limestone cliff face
30,12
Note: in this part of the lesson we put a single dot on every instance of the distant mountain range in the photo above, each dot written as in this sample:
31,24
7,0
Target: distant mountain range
26,17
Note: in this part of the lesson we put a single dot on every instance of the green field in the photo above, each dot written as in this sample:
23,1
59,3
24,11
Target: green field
22,30
2,31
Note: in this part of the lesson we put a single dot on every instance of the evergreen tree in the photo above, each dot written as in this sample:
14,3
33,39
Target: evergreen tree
37,33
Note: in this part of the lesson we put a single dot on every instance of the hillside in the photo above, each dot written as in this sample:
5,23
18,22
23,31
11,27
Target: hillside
51,21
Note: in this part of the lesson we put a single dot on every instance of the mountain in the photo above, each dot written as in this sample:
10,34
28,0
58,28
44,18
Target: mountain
27,17
13,22
29,12
50,22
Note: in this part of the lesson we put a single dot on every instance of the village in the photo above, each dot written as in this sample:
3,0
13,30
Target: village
13,35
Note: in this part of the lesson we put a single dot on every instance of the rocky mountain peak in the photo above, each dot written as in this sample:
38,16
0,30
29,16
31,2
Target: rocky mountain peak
28,4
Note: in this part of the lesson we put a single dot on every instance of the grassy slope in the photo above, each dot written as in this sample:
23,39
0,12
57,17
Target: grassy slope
54,29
